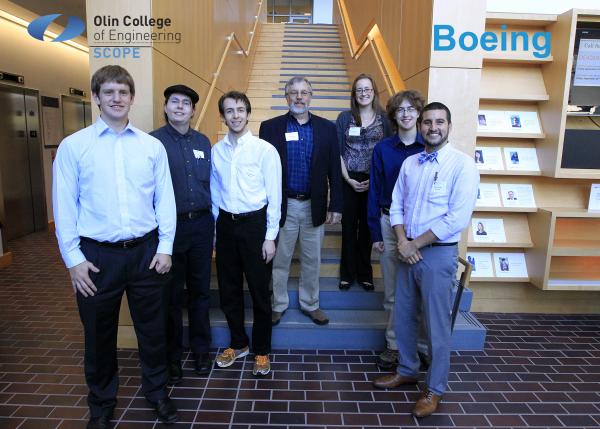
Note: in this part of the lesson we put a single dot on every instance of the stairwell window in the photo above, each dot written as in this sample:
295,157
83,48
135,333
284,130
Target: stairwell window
290,11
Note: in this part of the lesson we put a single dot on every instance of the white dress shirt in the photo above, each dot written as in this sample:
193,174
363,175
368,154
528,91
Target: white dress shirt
111,186
437,195
245,178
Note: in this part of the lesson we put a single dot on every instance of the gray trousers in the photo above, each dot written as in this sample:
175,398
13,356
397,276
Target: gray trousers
428,282
389,267
298,227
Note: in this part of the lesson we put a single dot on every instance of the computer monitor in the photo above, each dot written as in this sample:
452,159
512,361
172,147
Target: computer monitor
584,96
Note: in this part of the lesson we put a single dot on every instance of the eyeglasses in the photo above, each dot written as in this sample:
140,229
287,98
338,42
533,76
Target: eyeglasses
302,93
365,91
402,110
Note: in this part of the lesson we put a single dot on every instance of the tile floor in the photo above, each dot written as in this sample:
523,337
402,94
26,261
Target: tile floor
536,371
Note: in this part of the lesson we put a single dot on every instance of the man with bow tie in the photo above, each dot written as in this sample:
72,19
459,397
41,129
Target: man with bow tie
432,202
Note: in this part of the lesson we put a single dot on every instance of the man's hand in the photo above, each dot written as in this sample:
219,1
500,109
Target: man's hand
80,278
333,218
409,252
268,250
161,262
379,246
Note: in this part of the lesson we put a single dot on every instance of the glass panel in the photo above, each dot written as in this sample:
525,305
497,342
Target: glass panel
301,7
281,7
279,19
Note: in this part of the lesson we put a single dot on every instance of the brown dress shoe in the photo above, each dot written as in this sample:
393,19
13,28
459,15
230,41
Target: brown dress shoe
426,404
393,380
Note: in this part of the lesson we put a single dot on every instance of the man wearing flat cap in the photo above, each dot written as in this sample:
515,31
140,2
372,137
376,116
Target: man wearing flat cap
189,161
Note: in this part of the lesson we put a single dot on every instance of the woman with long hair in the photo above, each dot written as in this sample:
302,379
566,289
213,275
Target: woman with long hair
359,129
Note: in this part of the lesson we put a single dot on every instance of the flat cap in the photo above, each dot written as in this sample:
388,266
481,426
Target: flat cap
182,89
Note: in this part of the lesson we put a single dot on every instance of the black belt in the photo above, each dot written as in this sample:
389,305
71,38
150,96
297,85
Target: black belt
124,244
298,195
385,210
242,216
438,244
192,215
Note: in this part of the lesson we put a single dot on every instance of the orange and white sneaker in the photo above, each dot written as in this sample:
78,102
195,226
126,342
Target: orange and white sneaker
262,365
228,357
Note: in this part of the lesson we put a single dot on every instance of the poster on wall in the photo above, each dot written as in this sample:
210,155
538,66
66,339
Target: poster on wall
523,159
517,195
524,122
488,230
587,69
510,265
481,263
488,158
594,203
487,195
51,122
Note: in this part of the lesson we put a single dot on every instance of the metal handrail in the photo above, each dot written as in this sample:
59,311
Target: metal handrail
246,52
373,37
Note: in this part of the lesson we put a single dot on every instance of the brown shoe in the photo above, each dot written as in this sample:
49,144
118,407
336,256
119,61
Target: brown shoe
426,404
393,380
276,317
317,316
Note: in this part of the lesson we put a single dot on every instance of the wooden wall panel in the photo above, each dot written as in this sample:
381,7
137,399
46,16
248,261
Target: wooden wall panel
414,43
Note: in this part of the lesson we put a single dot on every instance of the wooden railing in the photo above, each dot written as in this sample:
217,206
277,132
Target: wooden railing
232,38
372,37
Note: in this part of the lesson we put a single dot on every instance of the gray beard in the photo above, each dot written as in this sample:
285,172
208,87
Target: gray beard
297,111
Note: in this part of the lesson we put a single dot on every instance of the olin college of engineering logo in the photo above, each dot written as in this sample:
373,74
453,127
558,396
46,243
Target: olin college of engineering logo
38,27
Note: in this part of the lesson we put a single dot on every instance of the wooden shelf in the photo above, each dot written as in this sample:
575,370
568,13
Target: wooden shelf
501,279
574,247
507,209
509,173
509,245
514,58
529,19
571,173
515,97
574,284
511,135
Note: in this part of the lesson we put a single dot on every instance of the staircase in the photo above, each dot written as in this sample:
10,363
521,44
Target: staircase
357,319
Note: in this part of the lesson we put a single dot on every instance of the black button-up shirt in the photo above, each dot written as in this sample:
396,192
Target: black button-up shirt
189,162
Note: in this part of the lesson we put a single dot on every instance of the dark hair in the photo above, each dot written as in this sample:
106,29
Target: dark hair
112,73
436,105
236,96
354,109
294,80
412,96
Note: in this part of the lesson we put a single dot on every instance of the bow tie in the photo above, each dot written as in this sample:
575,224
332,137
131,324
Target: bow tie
424,156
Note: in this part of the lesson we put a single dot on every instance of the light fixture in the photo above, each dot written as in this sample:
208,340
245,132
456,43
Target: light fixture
23,23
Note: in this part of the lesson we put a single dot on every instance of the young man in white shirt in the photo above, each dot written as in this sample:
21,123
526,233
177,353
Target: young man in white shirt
246,203
115,218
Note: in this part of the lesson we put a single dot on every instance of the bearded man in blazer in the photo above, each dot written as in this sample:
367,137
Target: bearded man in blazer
309,152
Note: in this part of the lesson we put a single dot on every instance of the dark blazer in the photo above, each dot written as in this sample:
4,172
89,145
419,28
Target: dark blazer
325,171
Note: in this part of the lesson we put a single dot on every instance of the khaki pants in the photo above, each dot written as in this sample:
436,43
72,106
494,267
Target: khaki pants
298,227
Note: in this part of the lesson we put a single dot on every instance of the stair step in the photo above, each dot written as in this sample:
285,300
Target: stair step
332,298
358,330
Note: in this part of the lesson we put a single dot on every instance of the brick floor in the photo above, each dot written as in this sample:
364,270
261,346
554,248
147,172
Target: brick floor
536,371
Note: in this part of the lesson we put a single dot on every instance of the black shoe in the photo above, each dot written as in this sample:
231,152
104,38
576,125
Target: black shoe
344,285
203,364
175,373
102,422
166,411
368,286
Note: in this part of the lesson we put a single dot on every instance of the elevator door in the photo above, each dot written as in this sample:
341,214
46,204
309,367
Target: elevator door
21,162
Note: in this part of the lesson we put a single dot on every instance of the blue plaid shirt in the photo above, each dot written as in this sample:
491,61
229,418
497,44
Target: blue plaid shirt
299,156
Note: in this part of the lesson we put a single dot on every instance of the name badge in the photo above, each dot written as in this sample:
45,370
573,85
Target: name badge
198,154
290,137
439,186
354,132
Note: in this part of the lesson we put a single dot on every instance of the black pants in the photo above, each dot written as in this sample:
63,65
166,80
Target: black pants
239,253
123,270
356,238
192,257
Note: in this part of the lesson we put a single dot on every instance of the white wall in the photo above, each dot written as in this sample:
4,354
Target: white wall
322,11
540,6
50,68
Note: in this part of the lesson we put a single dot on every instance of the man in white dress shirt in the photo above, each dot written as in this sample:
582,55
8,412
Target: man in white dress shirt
432,202
246,202
115,218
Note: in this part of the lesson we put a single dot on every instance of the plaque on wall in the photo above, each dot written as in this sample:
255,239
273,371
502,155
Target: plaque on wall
510,265
488,158
488,230
487,195
482,264
523,159
517,195
594,203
